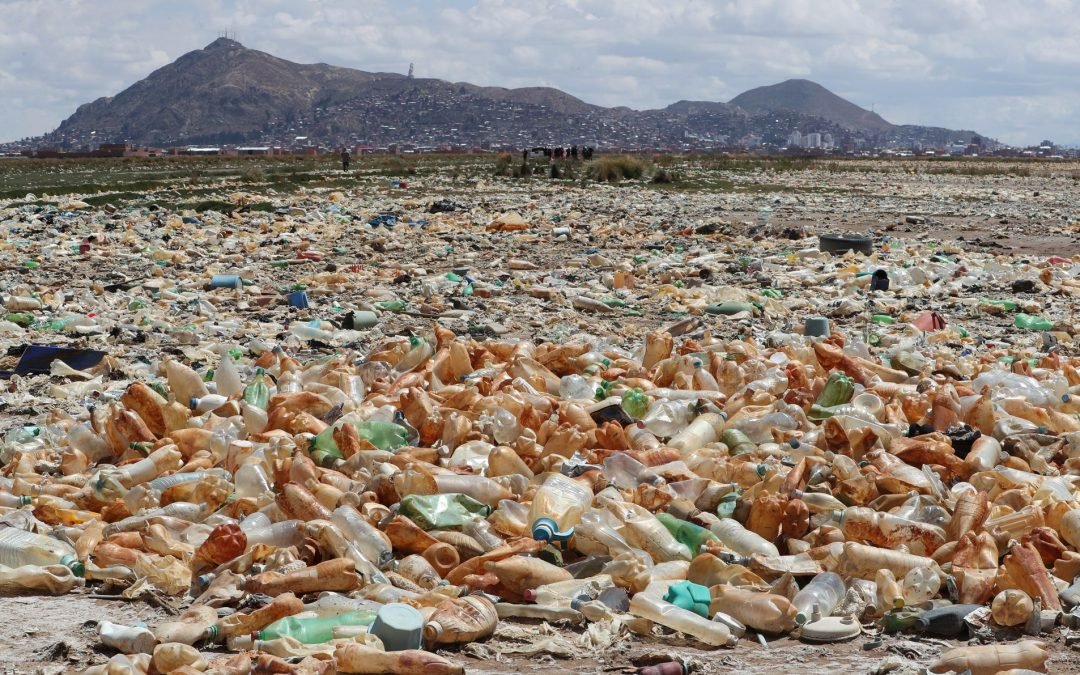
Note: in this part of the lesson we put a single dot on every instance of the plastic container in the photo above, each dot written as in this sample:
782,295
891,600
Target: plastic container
561,501
399,626
818,598
19,548
668,615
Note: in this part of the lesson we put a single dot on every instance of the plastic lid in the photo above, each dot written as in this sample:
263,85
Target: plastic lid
831,629
546,529
399,626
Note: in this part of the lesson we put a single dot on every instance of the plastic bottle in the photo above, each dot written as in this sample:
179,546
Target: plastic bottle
371,541
461,620
737,538
642,530
764,612
482,531
625,472
184,383
257,393
920,584
576,387
712,633
563,593
888,595
242,623
991,659
819,502
820,597
19,548
1032,322
561,501
703,430
946,621
420,350
689,534
863,562
889,531
666,418
357,658
635,403
51,579
126,639
314,630
1011,607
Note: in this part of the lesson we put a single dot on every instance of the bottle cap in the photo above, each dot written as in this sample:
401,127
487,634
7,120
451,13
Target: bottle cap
399,626
76,566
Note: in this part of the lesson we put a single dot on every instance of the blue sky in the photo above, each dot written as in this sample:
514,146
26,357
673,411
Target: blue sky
1004,68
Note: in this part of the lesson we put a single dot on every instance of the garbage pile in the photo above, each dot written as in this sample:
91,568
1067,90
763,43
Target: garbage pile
333,497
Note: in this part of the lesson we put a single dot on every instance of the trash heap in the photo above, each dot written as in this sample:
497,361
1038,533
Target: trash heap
339,498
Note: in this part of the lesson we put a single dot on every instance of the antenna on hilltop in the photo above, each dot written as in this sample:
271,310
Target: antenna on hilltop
411,71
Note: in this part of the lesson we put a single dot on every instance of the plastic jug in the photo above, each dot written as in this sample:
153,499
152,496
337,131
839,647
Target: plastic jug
712,633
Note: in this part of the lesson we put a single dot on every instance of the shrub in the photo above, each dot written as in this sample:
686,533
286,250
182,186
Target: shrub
663,176
616,168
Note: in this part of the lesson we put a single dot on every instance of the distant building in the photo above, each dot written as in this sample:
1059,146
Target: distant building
795,140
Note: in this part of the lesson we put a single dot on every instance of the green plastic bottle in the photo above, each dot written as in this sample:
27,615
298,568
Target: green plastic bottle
258,393
1007,305
1032,322
442,511
685,532
383,435
883,319
19,318
315,630
738,442
838,390
635,403
392,305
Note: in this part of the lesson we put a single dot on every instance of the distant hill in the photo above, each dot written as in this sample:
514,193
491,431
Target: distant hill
226,93
810,98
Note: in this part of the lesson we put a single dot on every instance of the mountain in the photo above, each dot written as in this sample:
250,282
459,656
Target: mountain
810,98
226,93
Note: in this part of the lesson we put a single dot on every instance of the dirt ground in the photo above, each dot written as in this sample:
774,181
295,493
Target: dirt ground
49,636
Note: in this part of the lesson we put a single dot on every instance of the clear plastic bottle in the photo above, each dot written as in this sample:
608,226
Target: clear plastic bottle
820,596
420,350
576,387
625,472
560,499
482,531
19,547
819,502
667,418
252,481
642,530
371,541
712,633
281,535
737,538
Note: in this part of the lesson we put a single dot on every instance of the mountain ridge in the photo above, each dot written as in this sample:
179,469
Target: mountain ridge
227,93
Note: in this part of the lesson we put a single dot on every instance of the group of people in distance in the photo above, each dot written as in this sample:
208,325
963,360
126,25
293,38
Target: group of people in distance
573,152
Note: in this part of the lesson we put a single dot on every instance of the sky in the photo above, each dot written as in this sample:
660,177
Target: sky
1003,68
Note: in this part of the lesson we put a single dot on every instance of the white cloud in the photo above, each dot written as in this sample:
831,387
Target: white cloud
1002,67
